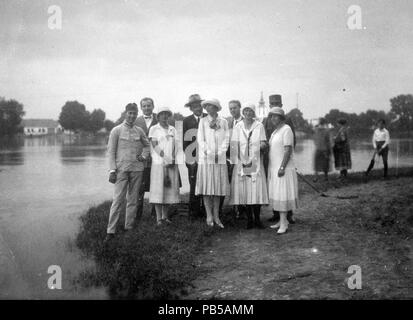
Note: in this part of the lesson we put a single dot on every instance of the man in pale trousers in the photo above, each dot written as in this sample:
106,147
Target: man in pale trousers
128,148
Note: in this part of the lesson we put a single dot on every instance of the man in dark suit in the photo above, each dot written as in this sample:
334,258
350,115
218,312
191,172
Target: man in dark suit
190,130
276,101
145,122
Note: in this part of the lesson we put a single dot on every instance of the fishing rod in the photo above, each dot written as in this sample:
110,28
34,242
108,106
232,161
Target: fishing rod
321,193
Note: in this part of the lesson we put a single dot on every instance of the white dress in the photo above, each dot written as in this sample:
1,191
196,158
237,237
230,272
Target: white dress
212,175
248,185
167,142
282,191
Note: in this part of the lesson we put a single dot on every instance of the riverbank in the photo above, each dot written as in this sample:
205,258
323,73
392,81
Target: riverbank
188,260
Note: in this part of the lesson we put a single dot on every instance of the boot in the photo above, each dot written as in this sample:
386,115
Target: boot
257,221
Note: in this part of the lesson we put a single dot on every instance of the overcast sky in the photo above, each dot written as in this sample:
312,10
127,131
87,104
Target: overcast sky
109,53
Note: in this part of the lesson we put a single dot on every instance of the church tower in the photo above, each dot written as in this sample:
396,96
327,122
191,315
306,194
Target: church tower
262,109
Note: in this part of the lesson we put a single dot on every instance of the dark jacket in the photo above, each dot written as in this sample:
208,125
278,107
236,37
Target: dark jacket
140,122
189,123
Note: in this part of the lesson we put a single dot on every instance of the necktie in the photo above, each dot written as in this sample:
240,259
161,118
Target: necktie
198,120
148,117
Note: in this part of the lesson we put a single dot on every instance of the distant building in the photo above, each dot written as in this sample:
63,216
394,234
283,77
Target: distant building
39,127
262,109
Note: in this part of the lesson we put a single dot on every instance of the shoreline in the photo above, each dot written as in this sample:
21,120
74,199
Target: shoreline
191,241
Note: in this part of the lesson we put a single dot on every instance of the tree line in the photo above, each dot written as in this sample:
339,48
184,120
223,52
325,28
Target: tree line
75,117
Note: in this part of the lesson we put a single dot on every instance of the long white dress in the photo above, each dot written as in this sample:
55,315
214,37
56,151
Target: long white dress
167,142
212,175
248,184
282,191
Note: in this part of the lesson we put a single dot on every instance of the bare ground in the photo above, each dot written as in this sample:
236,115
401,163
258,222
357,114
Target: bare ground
311,261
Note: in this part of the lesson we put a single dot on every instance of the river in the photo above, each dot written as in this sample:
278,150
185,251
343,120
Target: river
46,183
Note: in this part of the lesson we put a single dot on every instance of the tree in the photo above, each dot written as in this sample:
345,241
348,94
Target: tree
402,107
96,120
11,113
108,124
300,124
74,116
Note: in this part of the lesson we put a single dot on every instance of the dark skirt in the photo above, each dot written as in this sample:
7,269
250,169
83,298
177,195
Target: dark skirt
342,157
322,161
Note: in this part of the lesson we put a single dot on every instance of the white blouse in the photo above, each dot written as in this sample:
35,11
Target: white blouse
211,141
381,135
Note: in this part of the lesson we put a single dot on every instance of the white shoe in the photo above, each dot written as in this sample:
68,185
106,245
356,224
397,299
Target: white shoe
283,229
275,226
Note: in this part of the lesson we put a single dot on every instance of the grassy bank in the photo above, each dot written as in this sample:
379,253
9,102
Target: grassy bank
163,262
149,263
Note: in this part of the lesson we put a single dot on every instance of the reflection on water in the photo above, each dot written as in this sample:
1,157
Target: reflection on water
46,183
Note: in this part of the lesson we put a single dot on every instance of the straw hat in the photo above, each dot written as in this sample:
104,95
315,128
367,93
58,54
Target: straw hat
214,102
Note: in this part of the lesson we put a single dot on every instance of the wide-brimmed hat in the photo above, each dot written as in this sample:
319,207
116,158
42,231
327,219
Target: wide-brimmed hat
214,102
193,98
248,106
276,99
163,109
277,110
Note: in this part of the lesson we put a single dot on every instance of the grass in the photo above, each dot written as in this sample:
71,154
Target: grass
151,262
163,262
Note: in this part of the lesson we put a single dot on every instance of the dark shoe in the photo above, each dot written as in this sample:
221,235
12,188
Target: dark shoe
250,225
259,225
109,237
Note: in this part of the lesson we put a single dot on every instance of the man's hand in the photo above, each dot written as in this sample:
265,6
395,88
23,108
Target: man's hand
281,172
112,177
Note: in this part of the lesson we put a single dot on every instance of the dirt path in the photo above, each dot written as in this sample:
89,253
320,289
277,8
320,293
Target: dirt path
311,261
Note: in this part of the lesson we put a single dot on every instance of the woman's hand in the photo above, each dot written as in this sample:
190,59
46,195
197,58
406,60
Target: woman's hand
281,172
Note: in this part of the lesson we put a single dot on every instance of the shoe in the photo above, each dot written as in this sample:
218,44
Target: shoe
275,226
159,222
249,225
210,223
219,224
167,220
109,237
282,230
259,225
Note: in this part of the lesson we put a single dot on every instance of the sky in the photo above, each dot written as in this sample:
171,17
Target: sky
110,53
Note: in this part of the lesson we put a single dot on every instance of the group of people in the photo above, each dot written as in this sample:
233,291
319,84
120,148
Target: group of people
339,146
241,158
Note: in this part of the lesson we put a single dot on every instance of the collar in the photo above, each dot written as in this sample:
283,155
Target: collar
239,119
148,117
128,125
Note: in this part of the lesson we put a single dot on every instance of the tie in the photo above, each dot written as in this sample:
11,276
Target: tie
198,120
148,117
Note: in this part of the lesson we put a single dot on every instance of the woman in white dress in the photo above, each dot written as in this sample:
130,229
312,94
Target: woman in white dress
282,177
212,176
248,184
164,188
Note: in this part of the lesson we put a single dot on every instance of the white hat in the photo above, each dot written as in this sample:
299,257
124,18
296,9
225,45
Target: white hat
163,109
214,102
249,106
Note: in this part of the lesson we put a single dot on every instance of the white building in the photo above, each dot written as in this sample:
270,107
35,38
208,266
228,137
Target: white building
39,127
